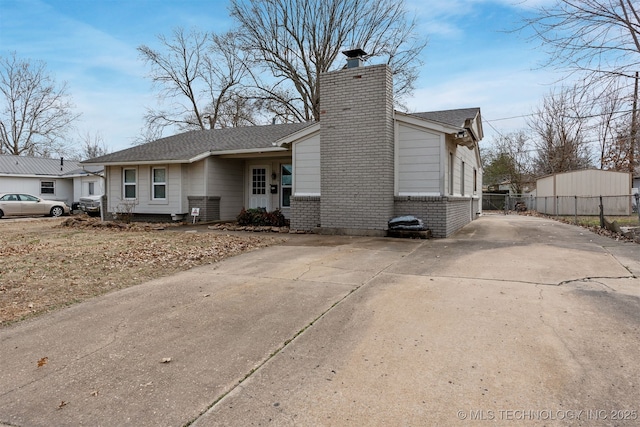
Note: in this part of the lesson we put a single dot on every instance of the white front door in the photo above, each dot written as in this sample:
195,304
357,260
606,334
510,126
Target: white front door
259,194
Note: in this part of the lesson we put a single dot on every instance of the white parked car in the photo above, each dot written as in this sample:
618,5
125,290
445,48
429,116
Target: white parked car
20,204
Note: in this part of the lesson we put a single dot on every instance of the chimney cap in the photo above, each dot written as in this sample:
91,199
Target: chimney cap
354,53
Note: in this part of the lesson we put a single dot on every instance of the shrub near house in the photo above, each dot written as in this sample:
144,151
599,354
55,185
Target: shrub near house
260,217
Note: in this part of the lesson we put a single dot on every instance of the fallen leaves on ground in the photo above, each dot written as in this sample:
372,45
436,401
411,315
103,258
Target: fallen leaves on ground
49,264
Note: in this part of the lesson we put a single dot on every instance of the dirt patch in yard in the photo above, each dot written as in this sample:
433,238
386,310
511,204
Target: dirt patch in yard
47,264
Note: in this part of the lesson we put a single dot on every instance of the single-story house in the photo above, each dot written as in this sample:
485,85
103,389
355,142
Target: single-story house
579,192
361,165
51,179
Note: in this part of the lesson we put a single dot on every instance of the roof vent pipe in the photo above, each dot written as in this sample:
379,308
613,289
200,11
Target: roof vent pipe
355,57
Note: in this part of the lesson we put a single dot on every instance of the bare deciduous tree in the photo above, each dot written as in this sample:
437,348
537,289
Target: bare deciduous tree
147,134
610,123
559,128
298,40
196,73
617,153
509,162
598,42
36,113
238,110
92,146
600,37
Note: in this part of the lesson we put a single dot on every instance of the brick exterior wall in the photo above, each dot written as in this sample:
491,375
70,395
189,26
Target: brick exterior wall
209,208
305,213
458,213
442,215
356,150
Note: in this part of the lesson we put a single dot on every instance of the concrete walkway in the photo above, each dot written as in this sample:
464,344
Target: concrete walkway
516,319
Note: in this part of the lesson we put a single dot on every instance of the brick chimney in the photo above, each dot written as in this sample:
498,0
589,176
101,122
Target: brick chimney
356,148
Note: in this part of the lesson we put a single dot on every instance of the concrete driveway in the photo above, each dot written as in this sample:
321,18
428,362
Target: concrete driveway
515,319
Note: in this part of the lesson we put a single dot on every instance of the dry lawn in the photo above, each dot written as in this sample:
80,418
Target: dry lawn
47,264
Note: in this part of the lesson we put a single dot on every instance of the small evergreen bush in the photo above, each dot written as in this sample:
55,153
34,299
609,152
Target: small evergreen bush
260,217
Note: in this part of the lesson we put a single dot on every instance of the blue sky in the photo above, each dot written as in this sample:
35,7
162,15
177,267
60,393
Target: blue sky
471,59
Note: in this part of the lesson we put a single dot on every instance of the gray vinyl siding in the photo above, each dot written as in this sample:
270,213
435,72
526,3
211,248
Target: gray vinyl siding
113,175
226,180
418,162
306,167
184,189
462,154
144,203
172,203
196,172
469,158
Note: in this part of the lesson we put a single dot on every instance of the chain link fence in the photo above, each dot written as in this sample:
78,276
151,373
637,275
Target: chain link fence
582,209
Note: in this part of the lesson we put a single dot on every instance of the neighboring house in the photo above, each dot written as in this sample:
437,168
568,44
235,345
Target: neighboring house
51,179
360,166
564,193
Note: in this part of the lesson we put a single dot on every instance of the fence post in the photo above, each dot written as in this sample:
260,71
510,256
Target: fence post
506,204
557,210
601,213
637,196
575,208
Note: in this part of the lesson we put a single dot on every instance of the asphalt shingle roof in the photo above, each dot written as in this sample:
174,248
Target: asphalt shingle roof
185,146
449,117
189,145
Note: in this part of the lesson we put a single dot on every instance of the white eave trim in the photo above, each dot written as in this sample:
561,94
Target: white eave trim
33,175
249,151
419,194
139,162
427,124
301,134
196,158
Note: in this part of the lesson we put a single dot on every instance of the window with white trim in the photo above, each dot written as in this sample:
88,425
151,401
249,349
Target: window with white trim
159,183
475,181
259,181
130,183
462,178
91,188
451,166
47,187
286,181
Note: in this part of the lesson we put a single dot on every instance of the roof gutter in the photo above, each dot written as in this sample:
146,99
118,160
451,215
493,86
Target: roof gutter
93,173
138,162
193,159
